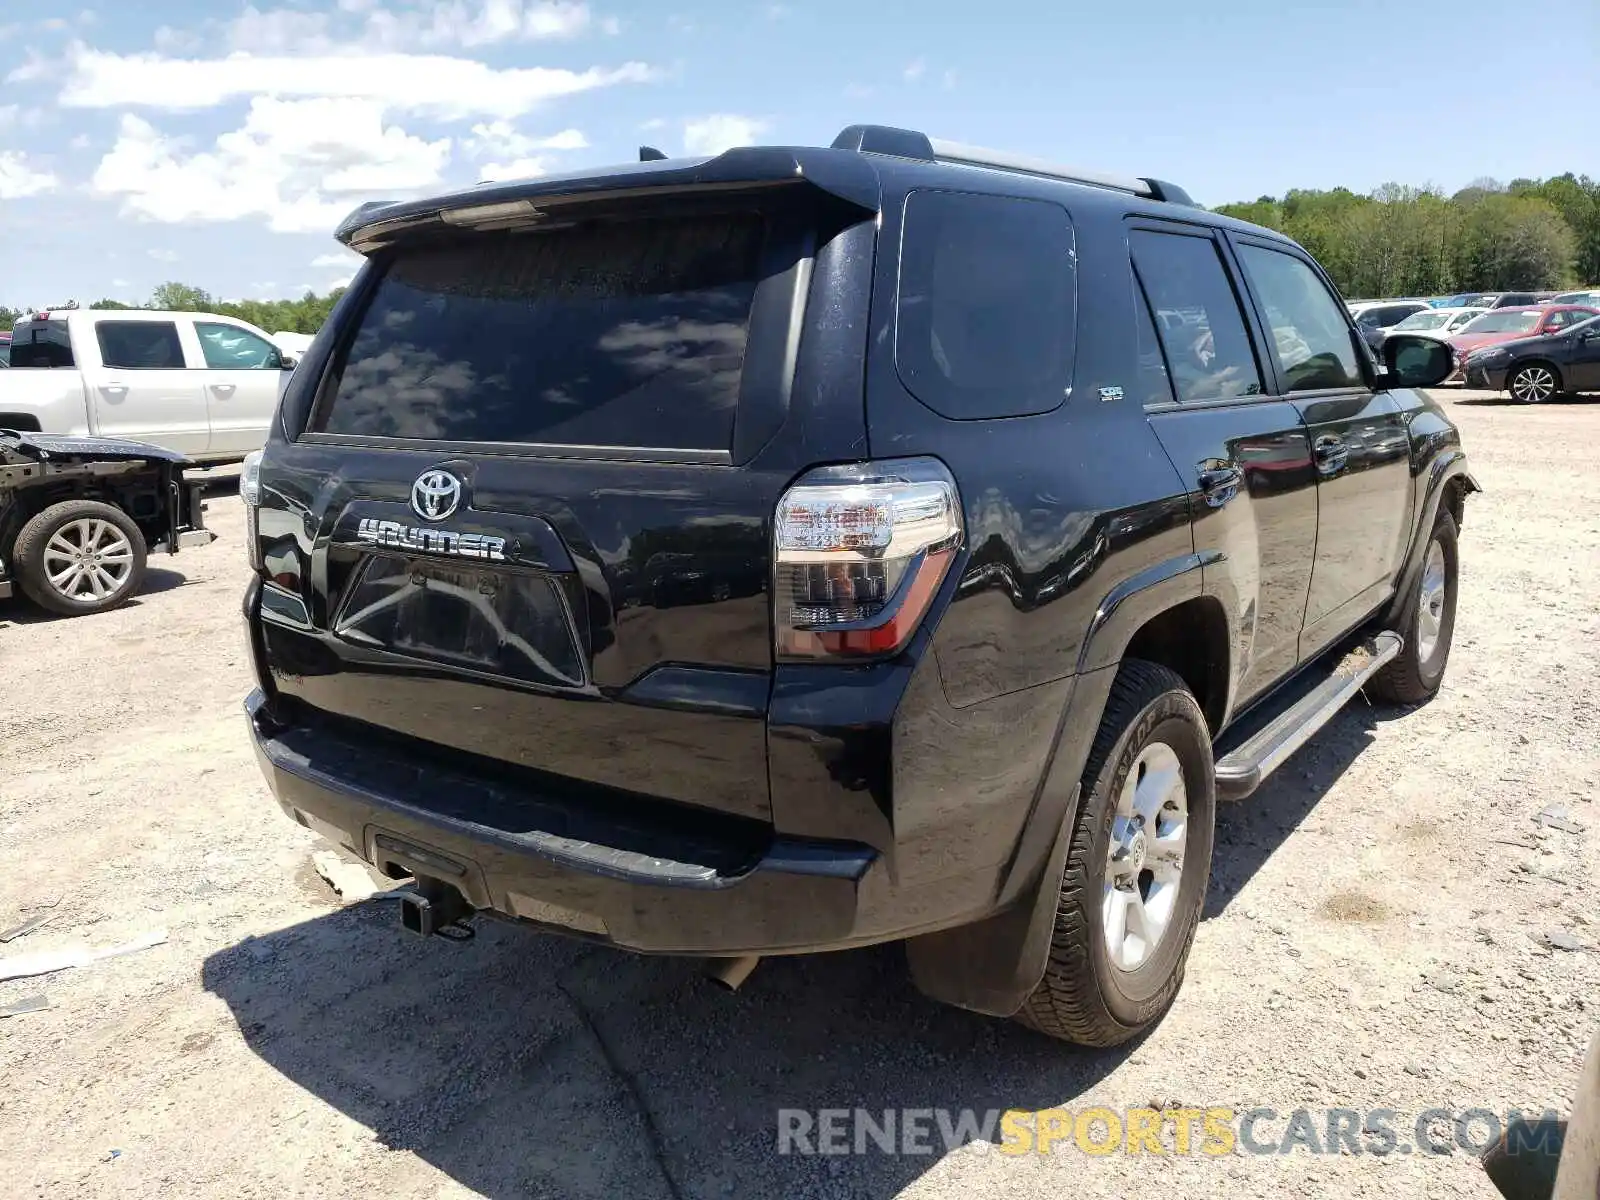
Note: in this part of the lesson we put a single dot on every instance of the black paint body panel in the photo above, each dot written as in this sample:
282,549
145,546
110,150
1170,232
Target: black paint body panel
933,788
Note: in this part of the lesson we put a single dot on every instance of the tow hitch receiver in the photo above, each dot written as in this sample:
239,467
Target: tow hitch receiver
434,907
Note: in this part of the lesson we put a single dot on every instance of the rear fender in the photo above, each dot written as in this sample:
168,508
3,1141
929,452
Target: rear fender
993,965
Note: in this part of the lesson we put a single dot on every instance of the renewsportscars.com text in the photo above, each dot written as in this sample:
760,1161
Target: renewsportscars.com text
1099,1131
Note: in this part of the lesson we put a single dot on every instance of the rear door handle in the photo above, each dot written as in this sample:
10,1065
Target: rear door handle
1331,454
114,389
225,389
1219,481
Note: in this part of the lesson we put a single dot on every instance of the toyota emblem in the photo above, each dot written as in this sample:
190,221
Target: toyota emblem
435,495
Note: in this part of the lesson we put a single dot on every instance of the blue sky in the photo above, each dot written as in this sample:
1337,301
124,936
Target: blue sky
218,143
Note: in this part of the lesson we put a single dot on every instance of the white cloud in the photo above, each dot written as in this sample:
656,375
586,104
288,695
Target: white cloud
120,283
470,22
301,164
441,85
166,256
522,168
278,30
611,26
501,139
914,70
344,258
719,132
19,179
948,81
80,141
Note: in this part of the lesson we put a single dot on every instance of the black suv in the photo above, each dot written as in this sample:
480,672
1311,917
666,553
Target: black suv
805,548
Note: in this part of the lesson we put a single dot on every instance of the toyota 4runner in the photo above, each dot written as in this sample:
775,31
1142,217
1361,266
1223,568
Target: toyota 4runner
806,548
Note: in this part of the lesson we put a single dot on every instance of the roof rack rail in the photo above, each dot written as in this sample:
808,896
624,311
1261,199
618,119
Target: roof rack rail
908,143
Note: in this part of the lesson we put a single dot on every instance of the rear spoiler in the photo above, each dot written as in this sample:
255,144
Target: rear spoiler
845,176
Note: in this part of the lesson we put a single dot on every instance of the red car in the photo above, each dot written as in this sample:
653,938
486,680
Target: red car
1508,324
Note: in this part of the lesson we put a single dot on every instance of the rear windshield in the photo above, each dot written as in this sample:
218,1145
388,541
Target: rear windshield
605,334
41,344
1504,322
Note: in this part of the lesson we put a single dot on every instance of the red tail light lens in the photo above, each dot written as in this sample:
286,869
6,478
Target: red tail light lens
859,555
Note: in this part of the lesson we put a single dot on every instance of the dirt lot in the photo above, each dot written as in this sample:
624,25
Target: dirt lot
1376,938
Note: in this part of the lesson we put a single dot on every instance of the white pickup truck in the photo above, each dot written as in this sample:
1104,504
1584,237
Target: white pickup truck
204,386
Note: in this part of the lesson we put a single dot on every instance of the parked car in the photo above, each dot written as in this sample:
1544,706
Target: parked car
203,386
1508,324
80,516
1589,298
1436,322
1374,318
961,655
1533,369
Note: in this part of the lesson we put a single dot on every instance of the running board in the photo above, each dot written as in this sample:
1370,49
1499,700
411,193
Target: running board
1241,770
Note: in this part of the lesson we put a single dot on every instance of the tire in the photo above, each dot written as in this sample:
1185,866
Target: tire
1414,675
48,544
1084,996
1540,382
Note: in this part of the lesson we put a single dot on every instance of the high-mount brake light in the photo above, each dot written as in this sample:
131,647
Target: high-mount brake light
859,554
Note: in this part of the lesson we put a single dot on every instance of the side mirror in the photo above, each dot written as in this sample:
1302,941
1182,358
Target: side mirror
290,362
1417,362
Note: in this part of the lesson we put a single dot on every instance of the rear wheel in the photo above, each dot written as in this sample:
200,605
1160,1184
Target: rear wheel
1136,869
80,557
1534,383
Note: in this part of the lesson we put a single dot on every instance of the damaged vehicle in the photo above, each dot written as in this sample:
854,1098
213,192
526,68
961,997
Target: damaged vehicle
80,516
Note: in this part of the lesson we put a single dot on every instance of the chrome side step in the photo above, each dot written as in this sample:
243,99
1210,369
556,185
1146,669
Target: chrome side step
1241,770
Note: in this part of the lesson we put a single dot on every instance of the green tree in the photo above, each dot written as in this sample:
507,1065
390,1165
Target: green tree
180,297
111,304
8,318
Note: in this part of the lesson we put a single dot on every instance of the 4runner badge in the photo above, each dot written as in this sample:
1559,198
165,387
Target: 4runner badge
395,536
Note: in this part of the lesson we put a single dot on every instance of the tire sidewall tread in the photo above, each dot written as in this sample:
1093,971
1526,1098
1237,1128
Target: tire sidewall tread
1082,997
1406,679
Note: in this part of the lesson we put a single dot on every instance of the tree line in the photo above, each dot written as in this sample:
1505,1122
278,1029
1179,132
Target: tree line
1400,241
304,315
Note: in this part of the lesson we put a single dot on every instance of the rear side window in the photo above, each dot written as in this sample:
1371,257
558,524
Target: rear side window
41,344
987,304
139,345
1202,329
606,334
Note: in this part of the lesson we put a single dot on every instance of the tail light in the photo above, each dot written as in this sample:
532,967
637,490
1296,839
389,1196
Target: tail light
859,554
250,493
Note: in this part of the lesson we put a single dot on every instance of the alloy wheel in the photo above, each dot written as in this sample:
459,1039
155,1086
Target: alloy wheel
88,559
1144,862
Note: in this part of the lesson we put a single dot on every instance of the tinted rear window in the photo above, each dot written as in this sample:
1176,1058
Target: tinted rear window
987,304
606,334
41,344
140,345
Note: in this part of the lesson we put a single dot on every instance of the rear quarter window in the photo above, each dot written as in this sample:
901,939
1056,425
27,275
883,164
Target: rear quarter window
620,333
986,314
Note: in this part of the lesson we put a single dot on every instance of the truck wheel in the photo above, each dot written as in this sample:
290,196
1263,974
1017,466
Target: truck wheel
1137,866
1414,675
80,556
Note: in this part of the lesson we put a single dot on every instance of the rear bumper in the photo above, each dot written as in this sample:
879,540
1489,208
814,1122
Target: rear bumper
632,881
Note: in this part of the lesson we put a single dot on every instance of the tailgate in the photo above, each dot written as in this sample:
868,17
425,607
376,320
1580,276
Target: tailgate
525,518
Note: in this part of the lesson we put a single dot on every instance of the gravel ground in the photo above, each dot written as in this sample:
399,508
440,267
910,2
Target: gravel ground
1376,938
